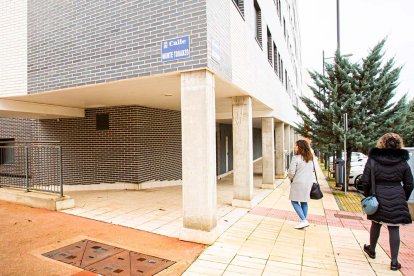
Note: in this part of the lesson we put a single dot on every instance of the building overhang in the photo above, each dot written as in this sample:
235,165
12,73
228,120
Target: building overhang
158,91
20,109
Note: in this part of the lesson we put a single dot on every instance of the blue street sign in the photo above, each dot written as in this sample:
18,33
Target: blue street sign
176,48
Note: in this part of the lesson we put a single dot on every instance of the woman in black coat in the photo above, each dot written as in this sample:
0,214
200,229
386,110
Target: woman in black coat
390,170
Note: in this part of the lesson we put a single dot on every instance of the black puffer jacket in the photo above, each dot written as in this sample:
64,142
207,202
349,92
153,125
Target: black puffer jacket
391,168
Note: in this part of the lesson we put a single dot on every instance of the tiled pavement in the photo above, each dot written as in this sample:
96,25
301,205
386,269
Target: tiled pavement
158,210
264,242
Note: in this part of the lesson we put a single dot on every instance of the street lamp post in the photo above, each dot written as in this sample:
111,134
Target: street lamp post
338,36
345,115
345,157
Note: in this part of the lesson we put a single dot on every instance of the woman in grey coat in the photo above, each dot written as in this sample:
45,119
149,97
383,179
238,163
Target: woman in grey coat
301,177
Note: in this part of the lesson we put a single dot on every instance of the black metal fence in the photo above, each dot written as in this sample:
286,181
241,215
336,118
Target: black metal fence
33,166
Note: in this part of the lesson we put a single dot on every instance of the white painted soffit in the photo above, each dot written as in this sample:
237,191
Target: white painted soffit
18,109
159,91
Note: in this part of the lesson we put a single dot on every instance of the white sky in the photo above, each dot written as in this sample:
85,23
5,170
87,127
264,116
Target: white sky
363,24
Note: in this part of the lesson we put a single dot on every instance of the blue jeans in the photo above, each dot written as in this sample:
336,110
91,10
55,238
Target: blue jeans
301,209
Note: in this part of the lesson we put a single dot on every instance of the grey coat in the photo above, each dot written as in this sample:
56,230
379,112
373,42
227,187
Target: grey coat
301,176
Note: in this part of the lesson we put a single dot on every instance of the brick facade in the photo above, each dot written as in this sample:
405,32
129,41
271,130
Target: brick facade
74,43
142,144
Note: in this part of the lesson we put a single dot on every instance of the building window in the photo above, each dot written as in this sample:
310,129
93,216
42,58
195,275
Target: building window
284,27
278,65
269,47
275,61
258,22
281,71
279,12
102,121
6,153
286,78
240,5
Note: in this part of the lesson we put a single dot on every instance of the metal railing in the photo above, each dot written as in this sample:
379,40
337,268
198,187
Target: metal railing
33,166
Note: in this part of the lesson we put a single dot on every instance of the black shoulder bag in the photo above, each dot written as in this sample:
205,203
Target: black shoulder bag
370,203
316,192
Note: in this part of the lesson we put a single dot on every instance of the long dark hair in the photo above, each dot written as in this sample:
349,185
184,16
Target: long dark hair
304,150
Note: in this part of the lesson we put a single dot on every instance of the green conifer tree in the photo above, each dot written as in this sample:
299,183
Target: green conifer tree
408,130
364,91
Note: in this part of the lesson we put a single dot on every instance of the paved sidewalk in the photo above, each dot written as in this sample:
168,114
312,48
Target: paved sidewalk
264,242
261,241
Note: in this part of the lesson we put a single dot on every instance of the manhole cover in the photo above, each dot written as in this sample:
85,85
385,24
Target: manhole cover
348,217
104,259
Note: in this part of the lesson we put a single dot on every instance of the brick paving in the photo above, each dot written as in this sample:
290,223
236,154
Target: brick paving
350,201
264,242
357,221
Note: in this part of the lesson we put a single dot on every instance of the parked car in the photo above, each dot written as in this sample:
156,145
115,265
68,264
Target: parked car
357,159
355,175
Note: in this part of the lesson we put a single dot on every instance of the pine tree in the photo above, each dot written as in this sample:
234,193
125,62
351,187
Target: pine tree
408,130
364,91
376,88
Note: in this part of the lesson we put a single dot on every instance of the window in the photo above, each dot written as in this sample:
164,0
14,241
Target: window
240,5
6,154
269,47
102,121
275,61
280,64
281,71
258,22
284,27
279,10
286,78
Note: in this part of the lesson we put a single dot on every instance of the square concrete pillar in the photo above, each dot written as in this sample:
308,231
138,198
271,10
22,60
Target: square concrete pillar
242,152
279,153
288,139
293,139
198,157
268,151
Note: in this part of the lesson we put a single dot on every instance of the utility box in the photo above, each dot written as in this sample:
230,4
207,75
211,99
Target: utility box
339,172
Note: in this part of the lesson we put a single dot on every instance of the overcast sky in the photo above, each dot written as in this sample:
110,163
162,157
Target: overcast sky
363,24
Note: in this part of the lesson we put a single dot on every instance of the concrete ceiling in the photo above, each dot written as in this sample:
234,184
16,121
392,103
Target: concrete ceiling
160,91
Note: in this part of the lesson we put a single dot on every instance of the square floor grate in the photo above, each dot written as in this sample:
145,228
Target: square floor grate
105,259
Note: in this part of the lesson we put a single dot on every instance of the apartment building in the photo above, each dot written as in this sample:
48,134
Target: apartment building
140,90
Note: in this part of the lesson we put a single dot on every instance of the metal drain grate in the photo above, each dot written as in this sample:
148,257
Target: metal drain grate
108,260
348,217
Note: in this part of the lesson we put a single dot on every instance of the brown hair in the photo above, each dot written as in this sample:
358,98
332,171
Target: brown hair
390,141
304,150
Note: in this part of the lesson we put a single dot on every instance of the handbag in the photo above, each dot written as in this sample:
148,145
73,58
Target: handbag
315,192
370,203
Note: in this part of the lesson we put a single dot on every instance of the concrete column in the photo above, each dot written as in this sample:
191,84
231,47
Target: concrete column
242,152
288,139
268,151
280,155
198,157
292,138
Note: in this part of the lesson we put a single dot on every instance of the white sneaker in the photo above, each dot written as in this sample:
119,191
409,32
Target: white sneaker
302,224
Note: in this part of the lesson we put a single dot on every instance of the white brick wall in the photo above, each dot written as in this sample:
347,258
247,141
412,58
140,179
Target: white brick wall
13,47
218,22
250,67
